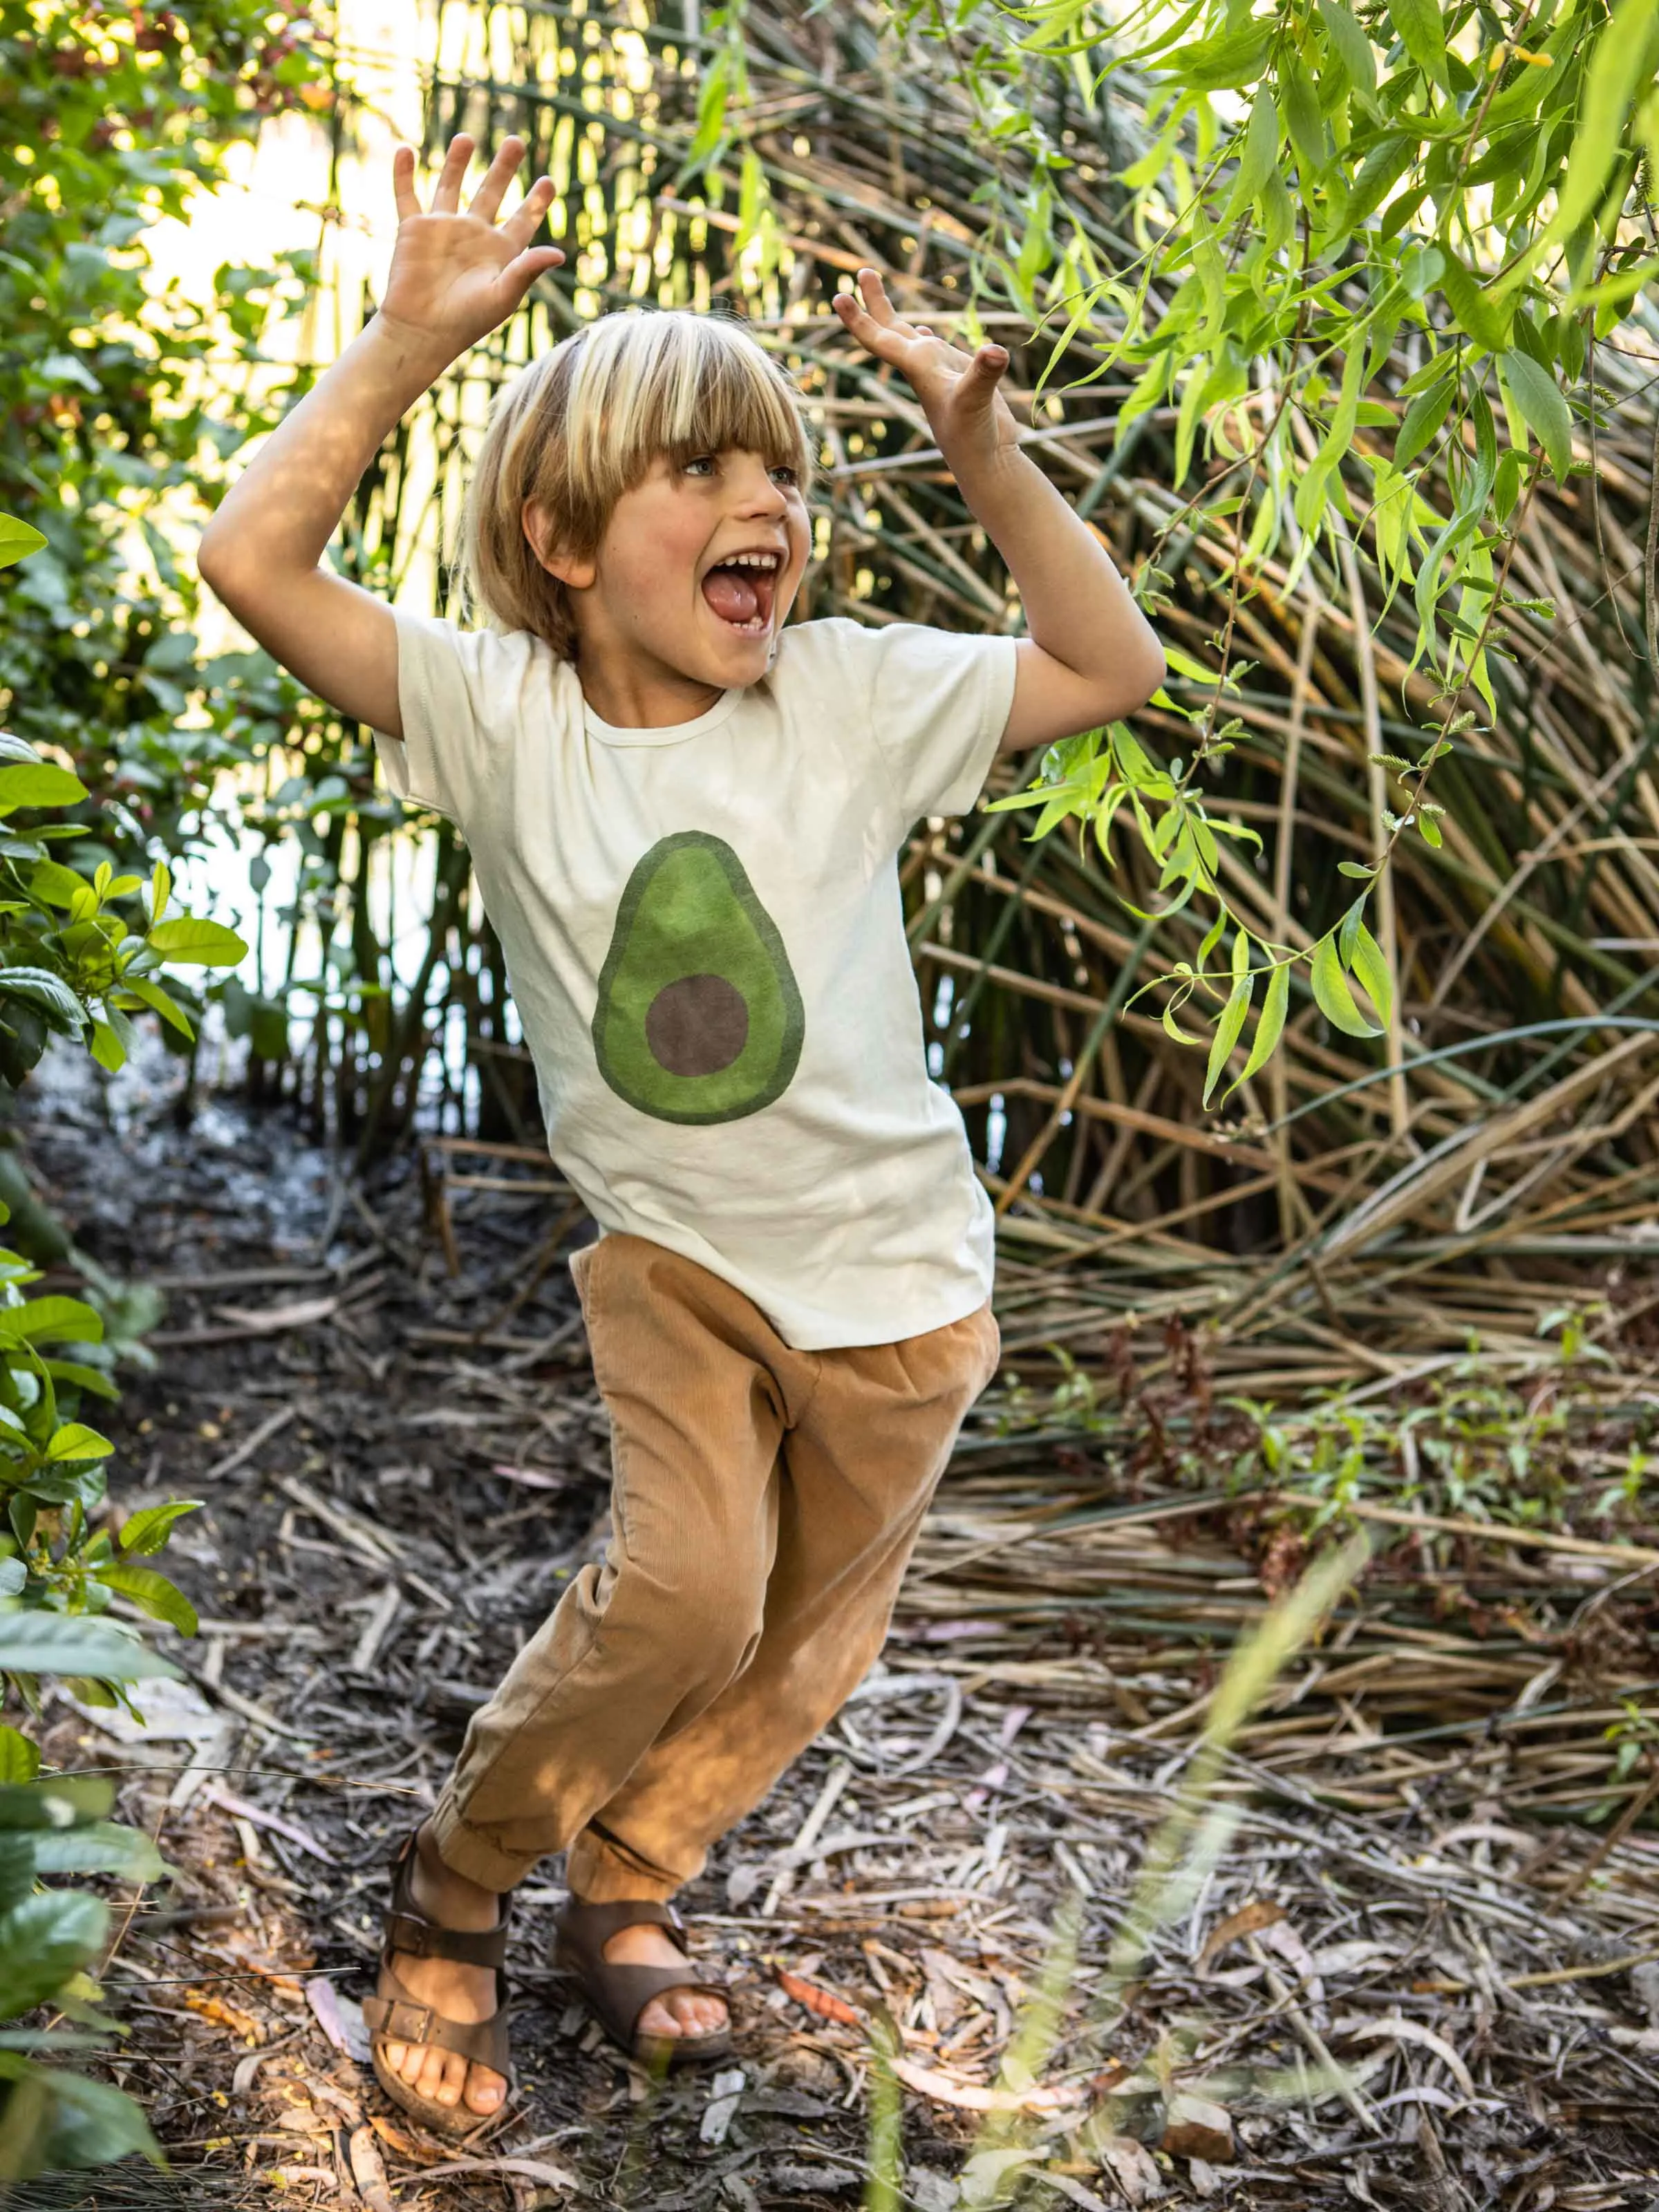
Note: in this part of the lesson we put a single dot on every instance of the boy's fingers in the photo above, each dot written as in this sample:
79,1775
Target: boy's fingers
873,294
402,183
447,192
525,220
981,377
520,274
884,339
496,179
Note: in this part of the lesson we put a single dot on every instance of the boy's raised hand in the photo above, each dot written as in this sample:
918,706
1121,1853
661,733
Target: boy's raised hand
958,391
456,276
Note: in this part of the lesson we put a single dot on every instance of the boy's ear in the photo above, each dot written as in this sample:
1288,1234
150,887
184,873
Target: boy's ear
569,567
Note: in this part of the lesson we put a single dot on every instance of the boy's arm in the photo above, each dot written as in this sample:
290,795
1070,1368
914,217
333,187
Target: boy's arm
1089,655
453,278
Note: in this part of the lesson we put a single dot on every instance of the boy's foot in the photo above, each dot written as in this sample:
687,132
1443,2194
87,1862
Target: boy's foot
460,1992
676,2012
628,1958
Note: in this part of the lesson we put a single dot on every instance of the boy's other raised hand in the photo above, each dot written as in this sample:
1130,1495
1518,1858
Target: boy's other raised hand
456,274
958,391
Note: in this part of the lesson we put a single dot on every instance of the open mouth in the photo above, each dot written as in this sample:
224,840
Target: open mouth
741,591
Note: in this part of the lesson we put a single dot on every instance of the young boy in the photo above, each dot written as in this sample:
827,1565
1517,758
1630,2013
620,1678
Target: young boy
685,819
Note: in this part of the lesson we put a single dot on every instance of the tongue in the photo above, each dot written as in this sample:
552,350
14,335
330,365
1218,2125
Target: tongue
731,595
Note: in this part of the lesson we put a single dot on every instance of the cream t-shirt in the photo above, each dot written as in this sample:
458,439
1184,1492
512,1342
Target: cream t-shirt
704,939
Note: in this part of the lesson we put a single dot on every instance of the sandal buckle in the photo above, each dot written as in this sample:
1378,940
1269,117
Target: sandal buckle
408,2023
405,1932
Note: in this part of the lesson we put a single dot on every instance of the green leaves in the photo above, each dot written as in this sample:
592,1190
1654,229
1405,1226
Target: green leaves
43,1941
38,783
55,1643
1371,971
1540,399
1230,1021
1420,28
1270,1027
1221,63
1350,948
93,2123
1622,60
1425,413
48,994
74,1441
1477,311
1350,44
197,944
100,1847
1330,992
151,1593
147,1531
41,1321
17,540
1257,155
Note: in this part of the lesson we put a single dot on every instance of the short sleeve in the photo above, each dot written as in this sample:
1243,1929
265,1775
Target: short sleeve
458,692
938,702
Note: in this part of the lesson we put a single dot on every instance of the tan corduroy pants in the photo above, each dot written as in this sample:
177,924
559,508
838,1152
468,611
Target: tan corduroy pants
763,1504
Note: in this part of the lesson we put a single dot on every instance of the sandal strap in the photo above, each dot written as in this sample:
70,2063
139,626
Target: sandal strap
417,1937
401,2017
407,1928
595,1924
619,1993
396,2015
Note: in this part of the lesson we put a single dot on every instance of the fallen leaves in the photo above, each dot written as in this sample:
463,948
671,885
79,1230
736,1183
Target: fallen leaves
368,2171
1399,2030
824,2002
1249,1920
1194,2127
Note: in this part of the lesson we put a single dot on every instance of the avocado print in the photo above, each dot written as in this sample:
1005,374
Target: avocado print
699,1017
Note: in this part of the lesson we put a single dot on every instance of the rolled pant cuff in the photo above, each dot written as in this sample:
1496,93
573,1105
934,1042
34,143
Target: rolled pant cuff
469,1852
599,1875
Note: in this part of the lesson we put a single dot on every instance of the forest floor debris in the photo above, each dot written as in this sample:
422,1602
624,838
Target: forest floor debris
1417,1975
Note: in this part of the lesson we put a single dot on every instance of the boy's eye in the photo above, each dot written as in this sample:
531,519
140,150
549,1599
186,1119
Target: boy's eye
784,474
700,465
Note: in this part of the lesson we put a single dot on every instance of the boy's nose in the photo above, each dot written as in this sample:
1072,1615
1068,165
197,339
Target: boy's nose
756,493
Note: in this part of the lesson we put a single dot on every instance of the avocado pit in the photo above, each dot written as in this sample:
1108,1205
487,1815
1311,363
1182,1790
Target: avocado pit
696,1026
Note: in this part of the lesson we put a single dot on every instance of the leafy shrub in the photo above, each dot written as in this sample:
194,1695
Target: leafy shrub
79,956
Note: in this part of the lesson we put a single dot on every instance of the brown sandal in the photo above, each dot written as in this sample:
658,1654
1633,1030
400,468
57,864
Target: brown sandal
619,1994
393,2015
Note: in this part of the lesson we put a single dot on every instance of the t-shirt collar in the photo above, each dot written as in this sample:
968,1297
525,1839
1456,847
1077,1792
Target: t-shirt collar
674,733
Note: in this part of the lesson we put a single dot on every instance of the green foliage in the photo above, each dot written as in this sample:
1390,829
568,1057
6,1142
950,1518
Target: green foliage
113,406
49,1940
80,954
122,399
1370,251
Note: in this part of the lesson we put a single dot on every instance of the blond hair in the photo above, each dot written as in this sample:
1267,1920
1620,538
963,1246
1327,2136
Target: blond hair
583,424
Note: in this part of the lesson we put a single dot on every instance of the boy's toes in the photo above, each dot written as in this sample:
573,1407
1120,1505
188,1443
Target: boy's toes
484,2090
433,2074
692,2015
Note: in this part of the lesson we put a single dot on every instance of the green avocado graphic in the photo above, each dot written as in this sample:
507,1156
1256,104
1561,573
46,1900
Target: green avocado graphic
699,1015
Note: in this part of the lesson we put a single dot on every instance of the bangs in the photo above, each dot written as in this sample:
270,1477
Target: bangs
663,384
582,425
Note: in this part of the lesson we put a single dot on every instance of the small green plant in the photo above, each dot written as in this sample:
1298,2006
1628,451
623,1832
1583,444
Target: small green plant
1625,1495
1012,2143
80,956
1634,1737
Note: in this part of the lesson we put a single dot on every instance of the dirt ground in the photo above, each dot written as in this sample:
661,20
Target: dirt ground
401,1466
